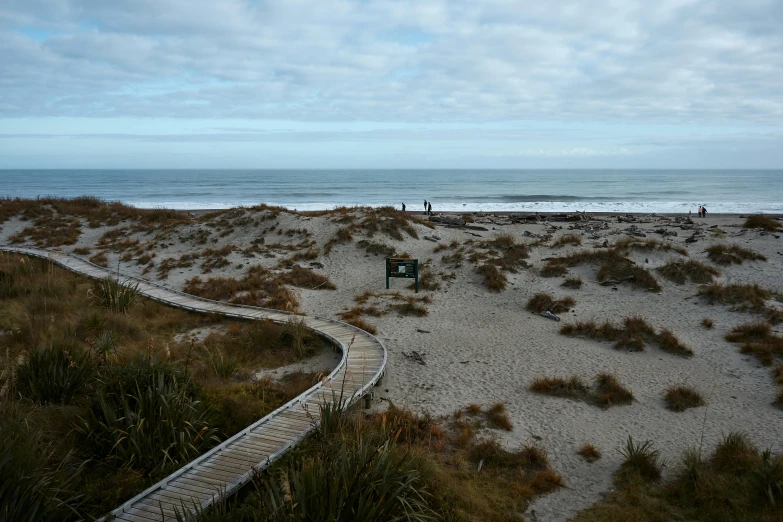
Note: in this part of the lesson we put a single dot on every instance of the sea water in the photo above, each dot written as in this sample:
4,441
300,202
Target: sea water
647,191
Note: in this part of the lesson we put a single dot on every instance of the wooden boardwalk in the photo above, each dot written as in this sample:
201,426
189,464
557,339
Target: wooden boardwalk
227,467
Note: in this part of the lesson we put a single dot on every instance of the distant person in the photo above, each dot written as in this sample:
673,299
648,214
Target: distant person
429,209
425,206
698,212
703,211
403,207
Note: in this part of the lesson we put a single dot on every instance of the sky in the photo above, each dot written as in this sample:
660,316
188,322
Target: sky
392,84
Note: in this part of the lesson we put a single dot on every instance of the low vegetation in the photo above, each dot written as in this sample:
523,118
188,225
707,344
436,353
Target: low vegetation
572,282
762,222
744,297
606,391
647,245
681,272
543,302
633,335
758,339
567,239
613,267
736,482
102,396
723,254
589,452
682,397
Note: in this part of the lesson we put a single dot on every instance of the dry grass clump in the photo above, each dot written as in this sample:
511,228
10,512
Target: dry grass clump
427,279
572,282
724,254
409,307
613,266
494,279
742,296
609,391
589,452
647,245
567,239
763,222
682,271
571,388
707,323
634,334
553,270
680,398
50,230
100,259
342,236
304,278
371,247
542,302
757,339
606,391
737,482
258,287
498,417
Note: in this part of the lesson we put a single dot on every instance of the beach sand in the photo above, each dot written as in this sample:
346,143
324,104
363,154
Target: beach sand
483,347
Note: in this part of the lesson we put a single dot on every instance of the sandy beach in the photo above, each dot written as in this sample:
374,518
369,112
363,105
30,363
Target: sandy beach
483,347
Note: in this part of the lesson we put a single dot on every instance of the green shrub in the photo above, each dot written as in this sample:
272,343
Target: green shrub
55,374
149,423
116,295
641,460
361,481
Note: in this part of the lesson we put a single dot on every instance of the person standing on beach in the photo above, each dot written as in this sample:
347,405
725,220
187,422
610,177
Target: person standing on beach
429,208
403,207
425,206
703,211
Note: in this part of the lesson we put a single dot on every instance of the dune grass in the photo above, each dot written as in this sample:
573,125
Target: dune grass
725,254
607,391
682,397
736,482
542,302
589,452
633,335
572,282
647,245
762,222
612,265
681,272
567,239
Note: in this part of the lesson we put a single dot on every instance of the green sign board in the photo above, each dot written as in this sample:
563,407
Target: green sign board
402,267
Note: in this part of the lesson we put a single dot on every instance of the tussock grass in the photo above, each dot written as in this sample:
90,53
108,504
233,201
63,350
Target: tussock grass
572,282
258,287
372,247
552,270
567,239
607,390
707,323
427,279
681,272
497,416
494,279
571,388
744,297
633,335
304,278
647,245
737,482
640,460
723,254
682,397
542,302
762,222
757,339
589,452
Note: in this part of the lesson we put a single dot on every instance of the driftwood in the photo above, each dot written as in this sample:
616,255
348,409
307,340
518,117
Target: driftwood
612,282
415,357
447,220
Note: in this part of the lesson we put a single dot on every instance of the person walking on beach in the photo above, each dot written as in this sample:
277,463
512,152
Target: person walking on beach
703,211
429,209
699,211
403,207
425,206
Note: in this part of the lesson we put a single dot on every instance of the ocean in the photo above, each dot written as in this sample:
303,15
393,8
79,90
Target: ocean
646,191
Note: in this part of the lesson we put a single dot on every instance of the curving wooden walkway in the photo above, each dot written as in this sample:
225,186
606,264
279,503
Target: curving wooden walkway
225,468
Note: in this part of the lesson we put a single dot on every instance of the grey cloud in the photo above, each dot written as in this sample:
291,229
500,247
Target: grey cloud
669,60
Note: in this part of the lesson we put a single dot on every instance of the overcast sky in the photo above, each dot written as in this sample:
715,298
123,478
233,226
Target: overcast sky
393,84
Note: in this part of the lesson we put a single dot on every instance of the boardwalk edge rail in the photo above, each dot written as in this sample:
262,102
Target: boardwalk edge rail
52,255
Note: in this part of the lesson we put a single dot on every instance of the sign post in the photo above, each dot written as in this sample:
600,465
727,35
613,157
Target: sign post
402,267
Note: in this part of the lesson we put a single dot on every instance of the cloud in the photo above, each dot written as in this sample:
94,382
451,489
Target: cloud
712,61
